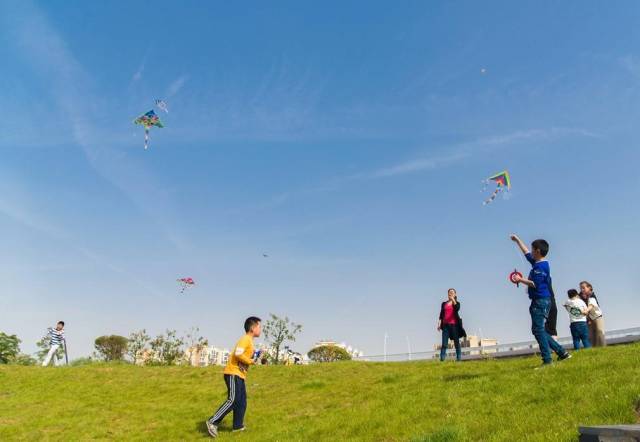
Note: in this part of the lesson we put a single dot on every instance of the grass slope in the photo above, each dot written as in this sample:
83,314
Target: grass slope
416,401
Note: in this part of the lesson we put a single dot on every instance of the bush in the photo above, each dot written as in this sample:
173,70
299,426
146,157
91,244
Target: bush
22,359
329,353
111,348
82,361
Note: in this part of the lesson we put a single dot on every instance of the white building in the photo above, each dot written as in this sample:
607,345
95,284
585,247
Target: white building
205,355
471,345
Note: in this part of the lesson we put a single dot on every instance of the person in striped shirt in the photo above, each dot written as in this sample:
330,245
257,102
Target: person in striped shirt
56,339
235,373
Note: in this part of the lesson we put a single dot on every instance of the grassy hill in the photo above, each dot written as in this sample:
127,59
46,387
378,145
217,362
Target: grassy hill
416,401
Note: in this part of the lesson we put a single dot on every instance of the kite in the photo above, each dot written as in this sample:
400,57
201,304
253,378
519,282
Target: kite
513,277
502,180
162,105
148,120
186,282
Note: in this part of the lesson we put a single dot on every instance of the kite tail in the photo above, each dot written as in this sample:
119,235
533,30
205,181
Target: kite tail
146,138
492,197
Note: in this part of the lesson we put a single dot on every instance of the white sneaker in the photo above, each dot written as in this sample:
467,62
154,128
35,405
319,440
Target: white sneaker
238,429
212,429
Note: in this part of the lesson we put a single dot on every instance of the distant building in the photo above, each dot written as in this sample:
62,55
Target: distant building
471,345
354,352
203,356
286,356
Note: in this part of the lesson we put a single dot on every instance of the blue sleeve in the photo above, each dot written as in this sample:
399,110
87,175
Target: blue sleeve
530,258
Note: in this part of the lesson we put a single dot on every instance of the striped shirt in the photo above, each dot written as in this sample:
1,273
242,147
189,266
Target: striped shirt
56,336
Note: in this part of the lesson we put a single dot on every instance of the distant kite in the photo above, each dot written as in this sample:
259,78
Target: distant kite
502,180
162,105
148,120
483,71
185,283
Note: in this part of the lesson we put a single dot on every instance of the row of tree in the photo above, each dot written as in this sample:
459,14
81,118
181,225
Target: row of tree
167,348
10,352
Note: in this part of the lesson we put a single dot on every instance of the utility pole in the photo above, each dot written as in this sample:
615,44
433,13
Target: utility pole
409,346
386,336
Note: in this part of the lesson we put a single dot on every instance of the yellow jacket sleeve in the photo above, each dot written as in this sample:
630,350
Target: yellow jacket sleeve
245,359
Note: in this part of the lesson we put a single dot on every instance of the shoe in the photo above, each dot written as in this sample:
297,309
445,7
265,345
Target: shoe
564,356
238,429
212,429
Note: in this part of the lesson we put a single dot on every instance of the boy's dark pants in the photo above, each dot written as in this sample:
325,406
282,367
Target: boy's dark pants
236,401
539,311
580,333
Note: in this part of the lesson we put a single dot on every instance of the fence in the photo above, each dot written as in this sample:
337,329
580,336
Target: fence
614,337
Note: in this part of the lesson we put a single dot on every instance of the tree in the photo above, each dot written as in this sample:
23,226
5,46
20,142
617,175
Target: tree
329,353
194,343
279,330
167,349
9,347
111,348
137,343
44,344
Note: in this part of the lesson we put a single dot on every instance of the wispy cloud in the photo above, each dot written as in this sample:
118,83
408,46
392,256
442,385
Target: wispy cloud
72,88
412,166
15,203
462,151
176,85
137,75
631,63
448,156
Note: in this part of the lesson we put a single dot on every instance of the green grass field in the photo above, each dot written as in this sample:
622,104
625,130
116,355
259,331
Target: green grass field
415,401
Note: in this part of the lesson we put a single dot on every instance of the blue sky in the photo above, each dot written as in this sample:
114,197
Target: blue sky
346,141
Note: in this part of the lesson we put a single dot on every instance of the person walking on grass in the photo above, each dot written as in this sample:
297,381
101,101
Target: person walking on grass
578,317
450,324
595,320
56,339
235,374
538,287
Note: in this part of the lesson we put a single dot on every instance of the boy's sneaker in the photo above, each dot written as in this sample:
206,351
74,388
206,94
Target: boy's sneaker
212,429
565,356
238,429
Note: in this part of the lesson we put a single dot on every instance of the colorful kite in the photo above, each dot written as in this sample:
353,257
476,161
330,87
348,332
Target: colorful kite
162,105
185,283
148,120
502,180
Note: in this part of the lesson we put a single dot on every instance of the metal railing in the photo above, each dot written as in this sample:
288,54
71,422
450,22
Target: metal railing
613,337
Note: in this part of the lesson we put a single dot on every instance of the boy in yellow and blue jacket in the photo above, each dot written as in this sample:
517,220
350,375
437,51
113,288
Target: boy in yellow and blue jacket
235,374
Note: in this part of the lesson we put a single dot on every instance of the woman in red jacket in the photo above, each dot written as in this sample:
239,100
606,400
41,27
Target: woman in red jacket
450,324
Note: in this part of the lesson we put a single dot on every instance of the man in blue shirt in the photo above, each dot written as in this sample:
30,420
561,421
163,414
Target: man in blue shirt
539,290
